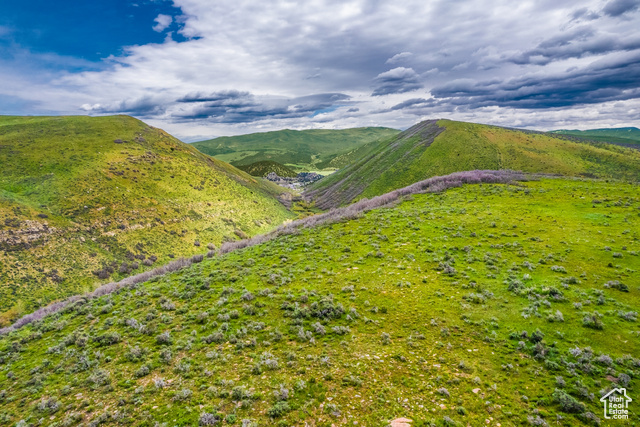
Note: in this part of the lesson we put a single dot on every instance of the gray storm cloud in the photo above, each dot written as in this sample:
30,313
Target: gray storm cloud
245,65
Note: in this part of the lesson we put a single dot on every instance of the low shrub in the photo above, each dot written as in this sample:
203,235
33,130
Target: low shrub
278,410
164,338
568,403
593,320
208,419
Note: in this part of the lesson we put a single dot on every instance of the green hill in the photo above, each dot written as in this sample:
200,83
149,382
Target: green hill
630,135
265,167
433,148
84,200
489,302
305,150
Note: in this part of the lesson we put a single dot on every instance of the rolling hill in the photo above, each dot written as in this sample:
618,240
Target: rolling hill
84,200
440,147
265,167
305,150
481,305
627,136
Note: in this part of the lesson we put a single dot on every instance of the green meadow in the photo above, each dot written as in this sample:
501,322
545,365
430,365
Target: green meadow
486,304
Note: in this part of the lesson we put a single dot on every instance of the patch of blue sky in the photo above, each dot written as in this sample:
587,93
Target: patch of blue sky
87,30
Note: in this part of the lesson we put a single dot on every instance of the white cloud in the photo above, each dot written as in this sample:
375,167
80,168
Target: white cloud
162,22
400,57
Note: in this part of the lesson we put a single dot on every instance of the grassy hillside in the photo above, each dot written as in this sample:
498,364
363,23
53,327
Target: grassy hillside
629,135
484,305
305,150
84,200
441,147
265,167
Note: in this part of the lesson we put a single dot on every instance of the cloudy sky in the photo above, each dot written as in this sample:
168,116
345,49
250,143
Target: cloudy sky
202,68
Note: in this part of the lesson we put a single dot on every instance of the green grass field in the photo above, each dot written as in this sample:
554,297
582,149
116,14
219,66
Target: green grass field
86,200
483,305
422,152
306,150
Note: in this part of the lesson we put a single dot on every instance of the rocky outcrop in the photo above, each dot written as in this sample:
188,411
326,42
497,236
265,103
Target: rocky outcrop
29,234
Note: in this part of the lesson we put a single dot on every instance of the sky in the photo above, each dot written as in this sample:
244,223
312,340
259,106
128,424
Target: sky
201,68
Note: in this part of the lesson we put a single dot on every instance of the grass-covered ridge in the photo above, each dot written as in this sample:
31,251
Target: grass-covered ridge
629,136
433,148
304,150
265,167
486,302
84,200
